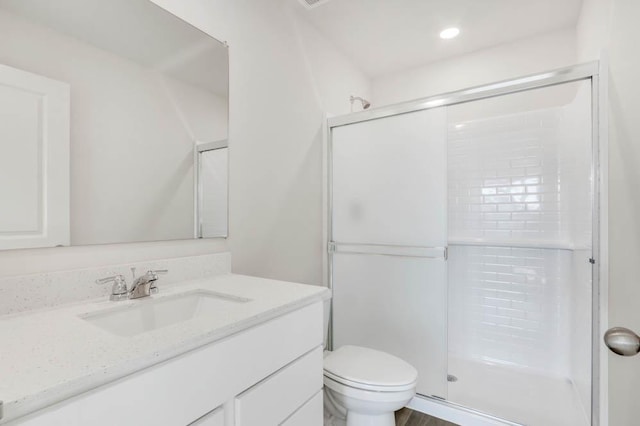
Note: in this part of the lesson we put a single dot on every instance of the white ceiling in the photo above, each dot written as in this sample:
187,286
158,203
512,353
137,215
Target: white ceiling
384,36
139,31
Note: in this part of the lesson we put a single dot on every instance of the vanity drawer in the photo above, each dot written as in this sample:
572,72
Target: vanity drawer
276,398
310,414
214,418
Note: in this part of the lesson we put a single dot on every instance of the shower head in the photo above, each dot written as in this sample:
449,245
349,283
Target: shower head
365,103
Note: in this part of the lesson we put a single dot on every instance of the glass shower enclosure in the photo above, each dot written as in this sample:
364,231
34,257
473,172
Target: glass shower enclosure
461,239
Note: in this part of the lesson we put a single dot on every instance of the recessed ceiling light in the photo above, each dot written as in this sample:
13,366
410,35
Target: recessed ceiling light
449,33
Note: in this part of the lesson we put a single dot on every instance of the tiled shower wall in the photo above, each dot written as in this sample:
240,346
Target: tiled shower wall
507,305
504,181
517,184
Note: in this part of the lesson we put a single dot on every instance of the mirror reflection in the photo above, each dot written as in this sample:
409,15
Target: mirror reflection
211,189
113,125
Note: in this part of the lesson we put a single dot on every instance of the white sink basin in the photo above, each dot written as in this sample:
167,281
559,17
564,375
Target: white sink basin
151,314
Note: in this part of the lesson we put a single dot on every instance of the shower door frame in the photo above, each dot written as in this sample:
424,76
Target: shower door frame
198,186
591,71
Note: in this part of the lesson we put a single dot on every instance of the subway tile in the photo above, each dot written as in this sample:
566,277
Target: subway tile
512,207
496,199
510,172
495,267
497,216
511,278
488,191
526,198
498,303
511,225
533,207
511,313
526,162
497,182
497,234
510,189
535,216
489,208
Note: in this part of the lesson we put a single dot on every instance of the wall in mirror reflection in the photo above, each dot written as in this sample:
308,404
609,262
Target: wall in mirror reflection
145,88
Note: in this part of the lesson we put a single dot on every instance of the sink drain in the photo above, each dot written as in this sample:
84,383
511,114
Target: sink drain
451,378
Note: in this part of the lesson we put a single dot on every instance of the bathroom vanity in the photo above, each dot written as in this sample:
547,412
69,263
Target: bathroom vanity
226,350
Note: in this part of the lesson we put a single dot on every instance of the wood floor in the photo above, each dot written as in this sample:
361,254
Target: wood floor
407,417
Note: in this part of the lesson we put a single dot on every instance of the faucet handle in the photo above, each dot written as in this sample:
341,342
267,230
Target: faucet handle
114,278
119,290
154,274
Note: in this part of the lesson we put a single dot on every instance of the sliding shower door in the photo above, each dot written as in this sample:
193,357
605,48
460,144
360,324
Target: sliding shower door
520,237
463,240
389,238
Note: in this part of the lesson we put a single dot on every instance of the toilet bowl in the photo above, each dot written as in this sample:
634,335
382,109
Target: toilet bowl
364,387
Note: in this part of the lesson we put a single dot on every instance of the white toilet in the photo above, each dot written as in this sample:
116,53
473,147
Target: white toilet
364,386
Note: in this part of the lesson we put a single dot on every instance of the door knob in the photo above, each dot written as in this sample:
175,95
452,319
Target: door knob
622,341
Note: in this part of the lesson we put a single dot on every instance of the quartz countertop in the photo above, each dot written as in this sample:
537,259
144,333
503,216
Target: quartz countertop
47,356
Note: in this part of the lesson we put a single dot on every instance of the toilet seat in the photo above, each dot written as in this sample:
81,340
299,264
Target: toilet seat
368,369
370,395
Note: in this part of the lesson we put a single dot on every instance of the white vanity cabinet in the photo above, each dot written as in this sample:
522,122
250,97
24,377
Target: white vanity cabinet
266,375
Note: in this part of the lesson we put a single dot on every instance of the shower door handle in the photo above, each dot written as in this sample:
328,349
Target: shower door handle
622,341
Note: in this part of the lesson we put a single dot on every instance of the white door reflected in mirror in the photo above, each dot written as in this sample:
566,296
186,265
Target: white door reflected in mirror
34,160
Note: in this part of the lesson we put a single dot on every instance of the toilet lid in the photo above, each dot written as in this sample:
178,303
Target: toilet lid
368,367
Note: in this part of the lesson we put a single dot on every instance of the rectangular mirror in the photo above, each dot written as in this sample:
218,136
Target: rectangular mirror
113,125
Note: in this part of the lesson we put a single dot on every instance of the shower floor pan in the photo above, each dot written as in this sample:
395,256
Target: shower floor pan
516,395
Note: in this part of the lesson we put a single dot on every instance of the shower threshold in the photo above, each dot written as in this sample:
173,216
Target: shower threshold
513,394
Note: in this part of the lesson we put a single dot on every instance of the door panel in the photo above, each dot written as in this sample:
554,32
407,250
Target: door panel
390,234
389,180
34,160
624,206
397,305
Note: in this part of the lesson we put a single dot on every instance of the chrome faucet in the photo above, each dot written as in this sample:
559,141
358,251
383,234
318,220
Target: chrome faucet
142,286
